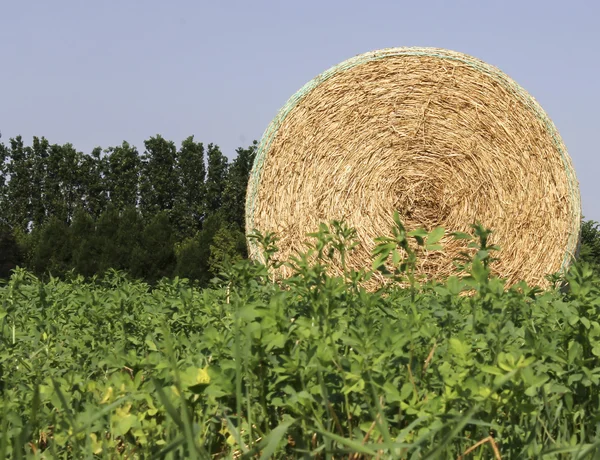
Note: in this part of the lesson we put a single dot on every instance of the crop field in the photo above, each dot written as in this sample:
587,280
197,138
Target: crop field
314,366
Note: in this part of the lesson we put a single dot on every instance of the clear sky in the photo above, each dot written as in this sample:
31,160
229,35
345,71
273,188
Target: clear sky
95,73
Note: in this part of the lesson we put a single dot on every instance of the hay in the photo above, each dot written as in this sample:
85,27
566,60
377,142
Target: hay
441,137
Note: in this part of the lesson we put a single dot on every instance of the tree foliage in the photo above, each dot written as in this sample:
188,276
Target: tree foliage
153,215
590,244
215,179
234,195
188,210
159,182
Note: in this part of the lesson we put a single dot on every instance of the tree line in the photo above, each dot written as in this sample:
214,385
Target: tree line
167,211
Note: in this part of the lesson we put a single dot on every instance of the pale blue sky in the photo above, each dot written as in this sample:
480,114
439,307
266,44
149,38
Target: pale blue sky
95,73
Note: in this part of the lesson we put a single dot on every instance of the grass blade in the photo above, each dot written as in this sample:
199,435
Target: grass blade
272,440
63,401
437,452
4,439
236,435
165,401
354,445
170,448
98,415
581,450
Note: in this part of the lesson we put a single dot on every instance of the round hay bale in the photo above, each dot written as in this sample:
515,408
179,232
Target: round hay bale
443,138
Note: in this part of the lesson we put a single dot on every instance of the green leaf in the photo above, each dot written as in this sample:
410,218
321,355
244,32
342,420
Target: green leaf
168,405
434,247
461,236
482,254
454,284
178,442
193,376
271,442
406,391
418,232
380,261
358,387
492,370
573,320
458,347
397,220
435,235
575,351
479,272
457,426
276,340
151,345
579,451
355,446
236,434
532,391
99,414
384,248
396,257
124,424
557,388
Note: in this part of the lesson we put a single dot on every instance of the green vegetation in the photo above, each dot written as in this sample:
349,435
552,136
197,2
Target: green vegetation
316,367
590,244
137,328
153,214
